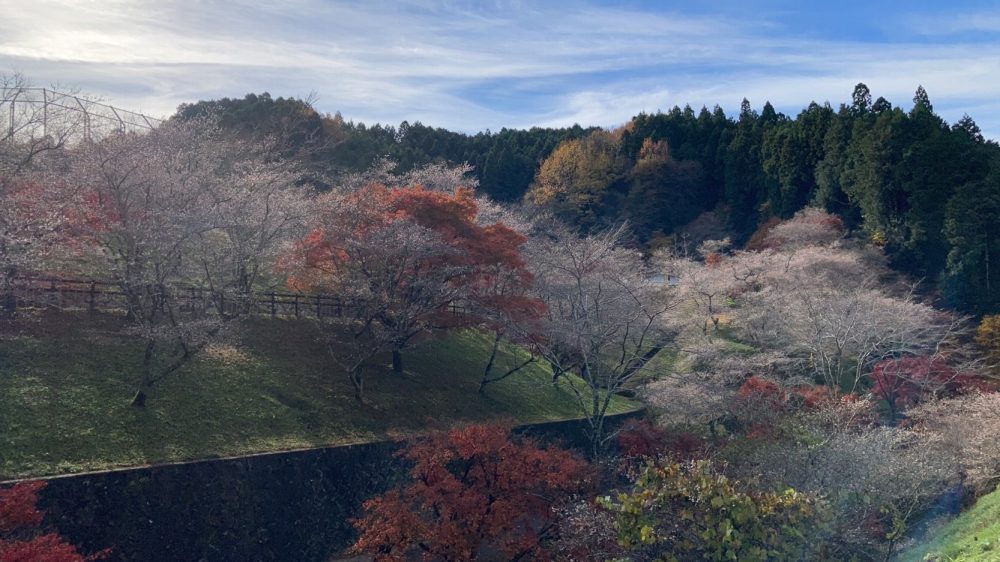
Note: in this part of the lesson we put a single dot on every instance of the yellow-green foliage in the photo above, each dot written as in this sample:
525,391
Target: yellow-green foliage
988,337
575,178
692,512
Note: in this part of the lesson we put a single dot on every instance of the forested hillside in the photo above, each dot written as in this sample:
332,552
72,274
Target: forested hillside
505,162
925,190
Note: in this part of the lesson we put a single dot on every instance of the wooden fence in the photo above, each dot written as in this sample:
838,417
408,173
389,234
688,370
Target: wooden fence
93,295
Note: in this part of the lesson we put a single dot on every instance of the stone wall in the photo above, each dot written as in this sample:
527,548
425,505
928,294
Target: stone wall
293,506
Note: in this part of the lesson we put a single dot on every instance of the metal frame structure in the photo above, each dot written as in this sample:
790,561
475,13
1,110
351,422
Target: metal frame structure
98,120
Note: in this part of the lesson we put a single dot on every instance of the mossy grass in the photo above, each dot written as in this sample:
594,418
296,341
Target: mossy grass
972,536
67,378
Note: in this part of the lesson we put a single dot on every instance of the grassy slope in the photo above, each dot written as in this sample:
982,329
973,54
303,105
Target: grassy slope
972,536
66,381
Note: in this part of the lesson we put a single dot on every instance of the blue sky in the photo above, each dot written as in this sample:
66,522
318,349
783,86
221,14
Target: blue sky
470,66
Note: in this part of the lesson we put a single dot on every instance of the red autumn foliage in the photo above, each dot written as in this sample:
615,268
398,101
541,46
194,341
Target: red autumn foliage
375,207
478,255
759,388
33,216
713,259
758,240
96,213
903,382
18,506
814,396
760,431
475,493
20,539
809,226
761,393
642,439
409,261
758,404
45,548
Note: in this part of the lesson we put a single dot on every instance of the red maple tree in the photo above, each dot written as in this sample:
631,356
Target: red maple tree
475,494
21,539
904,381
409,260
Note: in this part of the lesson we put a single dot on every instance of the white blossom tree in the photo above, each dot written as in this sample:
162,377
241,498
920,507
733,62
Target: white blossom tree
182,208
33,203
30,128
823,305
602,319
967,430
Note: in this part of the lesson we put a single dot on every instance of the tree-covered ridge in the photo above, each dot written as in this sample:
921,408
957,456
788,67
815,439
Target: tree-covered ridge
505,162
927,191
924,190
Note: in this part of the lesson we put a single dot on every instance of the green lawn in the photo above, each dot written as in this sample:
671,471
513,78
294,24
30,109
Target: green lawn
972,536
66,380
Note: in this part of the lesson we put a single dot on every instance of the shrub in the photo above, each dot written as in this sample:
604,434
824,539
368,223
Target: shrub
691,511
21,536
758,404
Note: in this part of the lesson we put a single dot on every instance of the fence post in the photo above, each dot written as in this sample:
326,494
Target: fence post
319,313
273,310
296,306
45,112
93,296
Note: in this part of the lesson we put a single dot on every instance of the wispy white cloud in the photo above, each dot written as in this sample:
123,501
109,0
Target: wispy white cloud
952,23
470,66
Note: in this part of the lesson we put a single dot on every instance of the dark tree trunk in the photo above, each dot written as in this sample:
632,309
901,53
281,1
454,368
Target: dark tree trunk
489,367
146,383
397,360
556,372
358,382
489,364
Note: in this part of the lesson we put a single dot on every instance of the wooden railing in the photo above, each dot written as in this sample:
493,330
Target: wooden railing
94,295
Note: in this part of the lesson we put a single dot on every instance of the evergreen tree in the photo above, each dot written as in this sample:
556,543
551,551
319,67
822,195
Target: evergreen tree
861,99
972,280
921,102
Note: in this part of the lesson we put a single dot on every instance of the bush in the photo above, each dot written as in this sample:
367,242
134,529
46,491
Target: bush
691,511
644,439
21,536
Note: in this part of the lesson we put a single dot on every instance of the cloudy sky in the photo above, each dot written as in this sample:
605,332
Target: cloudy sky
474,65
